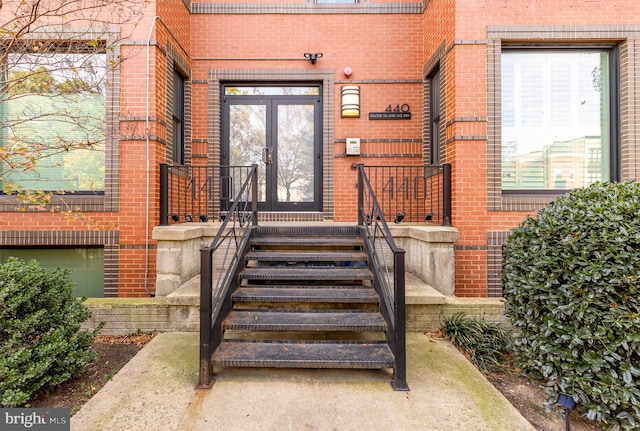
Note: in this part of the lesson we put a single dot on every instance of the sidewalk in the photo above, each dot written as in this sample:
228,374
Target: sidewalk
156,391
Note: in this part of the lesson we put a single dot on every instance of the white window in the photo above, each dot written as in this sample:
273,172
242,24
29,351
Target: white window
556,118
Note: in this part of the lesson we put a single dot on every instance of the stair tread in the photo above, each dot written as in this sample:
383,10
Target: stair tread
307,255
304,294
327,285
286,272
304,321
313,241
313,230
334,354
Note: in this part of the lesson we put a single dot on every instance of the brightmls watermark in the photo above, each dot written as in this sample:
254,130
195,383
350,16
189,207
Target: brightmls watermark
35,419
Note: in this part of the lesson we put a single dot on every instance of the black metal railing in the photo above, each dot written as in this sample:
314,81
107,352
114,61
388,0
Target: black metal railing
387,265
405,193
220,264
190,193
413,193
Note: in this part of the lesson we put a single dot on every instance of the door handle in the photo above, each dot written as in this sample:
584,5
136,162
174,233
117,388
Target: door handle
267,156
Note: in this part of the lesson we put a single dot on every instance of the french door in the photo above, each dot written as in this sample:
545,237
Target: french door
279,129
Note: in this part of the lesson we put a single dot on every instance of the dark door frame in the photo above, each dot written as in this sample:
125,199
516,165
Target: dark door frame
272,102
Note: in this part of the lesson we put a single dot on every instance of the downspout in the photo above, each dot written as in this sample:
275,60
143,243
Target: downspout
147,192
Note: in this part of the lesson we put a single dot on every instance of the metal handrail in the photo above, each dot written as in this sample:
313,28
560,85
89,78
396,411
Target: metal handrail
413,193
226,250
191,194
388,267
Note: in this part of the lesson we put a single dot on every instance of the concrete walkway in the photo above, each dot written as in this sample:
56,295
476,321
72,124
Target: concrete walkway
156,391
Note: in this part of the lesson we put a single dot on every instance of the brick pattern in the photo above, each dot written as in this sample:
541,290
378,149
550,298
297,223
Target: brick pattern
482,213
307,7
393,51
429,318
624,36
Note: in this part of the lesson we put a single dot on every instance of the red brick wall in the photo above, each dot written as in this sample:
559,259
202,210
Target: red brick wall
388,54
377,47
467,106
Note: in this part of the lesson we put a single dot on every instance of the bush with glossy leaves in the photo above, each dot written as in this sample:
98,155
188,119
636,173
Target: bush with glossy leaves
571,277
41,342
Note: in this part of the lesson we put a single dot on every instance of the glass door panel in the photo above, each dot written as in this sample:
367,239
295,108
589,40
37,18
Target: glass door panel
247,140
295,153
281,133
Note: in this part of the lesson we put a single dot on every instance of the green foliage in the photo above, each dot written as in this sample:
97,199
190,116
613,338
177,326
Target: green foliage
41,344
485,343
41,81
571,284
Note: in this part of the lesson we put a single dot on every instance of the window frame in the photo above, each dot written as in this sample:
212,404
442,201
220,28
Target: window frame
107,199
614,108
178,117
435,83
334,2
74,47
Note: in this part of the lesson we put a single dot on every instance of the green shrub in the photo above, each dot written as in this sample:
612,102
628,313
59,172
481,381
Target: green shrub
485,343
571,284
41,344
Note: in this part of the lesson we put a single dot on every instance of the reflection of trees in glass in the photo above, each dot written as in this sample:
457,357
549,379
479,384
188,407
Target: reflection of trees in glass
550,98
272,91
54,60
247,128
48,113
295,153
247,138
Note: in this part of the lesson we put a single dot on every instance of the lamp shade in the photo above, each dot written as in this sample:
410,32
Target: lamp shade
350,101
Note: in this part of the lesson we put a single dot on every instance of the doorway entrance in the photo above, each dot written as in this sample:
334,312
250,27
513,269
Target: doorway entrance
279,129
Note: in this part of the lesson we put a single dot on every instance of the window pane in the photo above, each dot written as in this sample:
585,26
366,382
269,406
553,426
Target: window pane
52,121
272,91
178,118
86,264
555,119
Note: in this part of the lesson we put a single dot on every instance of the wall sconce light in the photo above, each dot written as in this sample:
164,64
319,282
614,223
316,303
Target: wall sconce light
350,101
312,56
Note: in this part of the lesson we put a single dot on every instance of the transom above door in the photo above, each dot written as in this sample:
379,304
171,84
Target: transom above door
279,129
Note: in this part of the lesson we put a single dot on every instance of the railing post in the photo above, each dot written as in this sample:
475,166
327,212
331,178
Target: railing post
206,287
254,194
360,195
446,191
400,337
164,194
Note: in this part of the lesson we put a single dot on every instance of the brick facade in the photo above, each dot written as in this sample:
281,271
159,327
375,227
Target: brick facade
394,48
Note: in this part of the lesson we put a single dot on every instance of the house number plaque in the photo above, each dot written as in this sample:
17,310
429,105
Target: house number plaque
398,112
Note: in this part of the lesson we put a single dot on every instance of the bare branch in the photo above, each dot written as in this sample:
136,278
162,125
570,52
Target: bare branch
55,59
